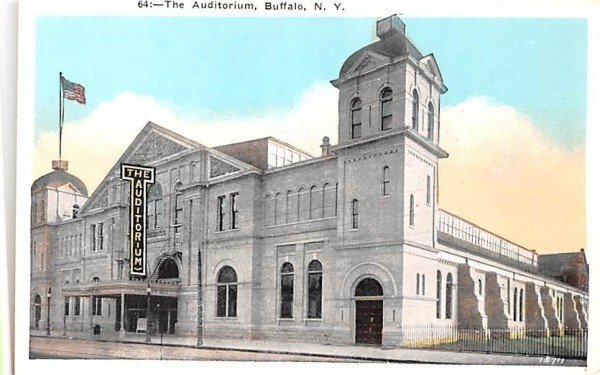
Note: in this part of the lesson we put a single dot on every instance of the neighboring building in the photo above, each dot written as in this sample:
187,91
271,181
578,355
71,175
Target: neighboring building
571,268
260,240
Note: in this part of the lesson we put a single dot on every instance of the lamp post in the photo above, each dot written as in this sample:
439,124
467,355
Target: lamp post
48,295
148,313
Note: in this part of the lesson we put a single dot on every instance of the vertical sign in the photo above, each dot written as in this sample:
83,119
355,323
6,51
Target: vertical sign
139,178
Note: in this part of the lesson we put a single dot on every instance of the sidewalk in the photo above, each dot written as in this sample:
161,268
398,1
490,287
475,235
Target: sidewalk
320,350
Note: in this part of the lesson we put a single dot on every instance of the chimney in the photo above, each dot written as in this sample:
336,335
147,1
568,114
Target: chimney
390,26
325,146
60,164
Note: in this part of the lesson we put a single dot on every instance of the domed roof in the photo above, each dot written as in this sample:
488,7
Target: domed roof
57,178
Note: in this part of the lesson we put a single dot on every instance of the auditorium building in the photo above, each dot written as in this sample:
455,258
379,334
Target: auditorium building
261,240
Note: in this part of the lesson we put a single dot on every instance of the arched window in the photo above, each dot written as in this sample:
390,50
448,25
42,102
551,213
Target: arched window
430,121
269,209
449,296
227,293
386,109
515,307
329,200
95,279
154,207
303,209
289,212
411,213
277,203
287,291
168,269
355,214
315,289
385,181
428,198
323,199
415,110
438,296
479,287
368,288
76,209
314,203
521,305
356,118
178,208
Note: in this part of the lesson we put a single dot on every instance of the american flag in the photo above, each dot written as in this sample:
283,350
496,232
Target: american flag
73,91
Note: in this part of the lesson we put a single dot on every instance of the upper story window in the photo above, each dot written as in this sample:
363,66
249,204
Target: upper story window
355,214
428,197
415,110
100,236
221,213
356,118
233,199
178,208
386,109
93,237
430,121
385,183
411,213
154,207
75,211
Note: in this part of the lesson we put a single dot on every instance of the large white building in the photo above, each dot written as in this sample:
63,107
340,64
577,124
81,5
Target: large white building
261,240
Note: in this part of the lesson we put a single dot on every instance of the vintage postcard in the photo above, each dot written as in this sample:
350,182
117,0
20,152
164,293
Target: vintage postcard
301,182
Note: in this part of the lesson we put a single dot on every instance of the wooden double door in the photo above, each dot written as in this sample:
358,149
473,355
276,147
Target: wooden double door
369,322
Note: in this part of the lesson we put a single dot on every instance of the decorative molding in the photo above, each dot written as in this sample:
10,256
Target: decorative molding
370,156
220,168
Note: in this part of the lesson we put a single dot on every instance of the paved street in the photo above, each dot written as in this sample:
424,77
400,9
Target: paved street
246,350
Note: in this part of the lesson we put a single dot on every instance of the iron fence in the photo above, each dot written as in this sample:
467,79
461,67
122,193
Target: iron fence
554,342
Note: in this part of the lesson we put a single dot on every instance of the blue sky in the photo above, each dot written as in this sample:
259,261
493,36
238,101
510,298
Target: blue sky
241,67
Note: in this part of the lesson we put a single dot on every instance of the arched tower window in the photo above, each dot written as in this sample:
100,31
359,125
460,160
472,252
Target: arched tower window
287,291
415,110
315,289
227,293
449,296
355,214
430,121
75,212
154,208
385,181
386,108
356,118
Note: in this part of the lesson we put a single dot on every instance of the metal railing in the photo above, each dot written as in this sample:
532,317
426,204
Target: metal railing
561,343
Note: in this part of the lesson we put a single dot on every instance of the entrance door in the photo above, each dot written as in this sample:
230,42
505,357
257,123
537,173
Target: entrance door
369,312
369,322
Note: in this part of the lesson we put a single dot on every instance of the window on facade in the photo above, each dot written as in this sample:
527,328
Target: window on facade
449,296
430,121
479,287
411,213
355,214
93,237
276,204
154,207
418,283
415,110
96,305
100,236
288,207
385,181
77,311
428,197
67,306
325,204
227,293
356,118
515,296
95,279
521,305
178,208
287,291
386,109
302,209
221,213
422,284
315,289
233,200
438,296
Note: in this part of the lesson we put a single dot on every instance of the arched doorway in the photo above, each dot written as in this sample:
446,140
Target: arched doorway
369,312
37,313
168,269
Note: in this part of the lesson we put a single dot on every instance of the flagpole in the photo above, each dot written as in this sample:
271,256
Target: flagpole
60,115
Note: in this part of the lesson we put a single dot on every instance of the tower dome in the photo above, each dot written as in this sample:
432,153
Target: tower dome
59,177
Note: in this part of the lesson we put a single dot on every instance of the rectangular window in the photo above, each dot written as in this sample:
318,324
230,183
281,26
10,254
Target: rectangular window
221,300
221,213
96,306
234,210
178,212
356,124
101,236
315,281
93,237
77,306
355,214
66,306
150,210
386,115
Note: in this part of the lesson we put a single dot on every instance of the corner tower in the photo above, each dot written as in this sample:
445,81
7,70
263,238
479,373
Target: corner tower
388,132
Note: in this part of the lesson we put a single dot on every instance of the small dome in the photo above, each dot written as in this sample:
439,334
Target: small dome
57,178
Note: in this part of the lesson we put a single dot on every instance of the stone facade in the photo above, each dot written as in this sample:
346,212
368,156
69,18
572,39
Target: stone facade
348,247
